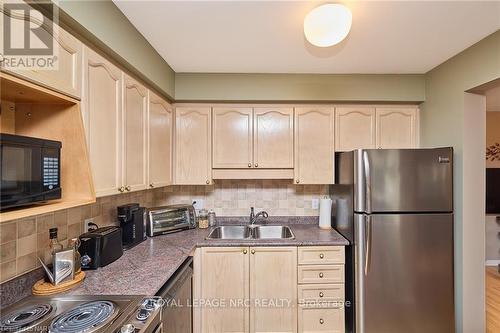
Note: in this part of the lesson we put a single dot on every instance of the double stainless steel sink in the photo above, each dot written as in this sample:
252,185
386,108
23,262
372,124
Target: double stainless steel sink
251,232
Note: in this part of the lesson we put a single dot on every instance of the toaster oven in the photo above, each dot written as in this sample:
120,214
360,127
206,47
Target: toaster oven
166,219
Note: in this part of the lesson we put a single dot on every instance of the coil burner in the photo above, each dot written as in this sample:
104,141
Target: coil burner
25,318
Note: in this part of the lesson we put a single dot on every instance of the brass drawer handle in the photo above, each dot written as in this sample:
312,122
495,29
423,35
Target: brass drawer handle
321,294
245,251
253,251
321,275
321,255
321,321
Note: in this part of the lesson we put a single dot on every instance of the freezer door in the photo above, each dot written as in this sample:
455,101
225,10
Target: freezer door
403,180
404,273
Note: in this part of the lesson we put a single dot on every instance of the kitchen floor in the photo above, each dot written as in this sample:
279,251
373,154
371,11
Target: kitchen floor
492,300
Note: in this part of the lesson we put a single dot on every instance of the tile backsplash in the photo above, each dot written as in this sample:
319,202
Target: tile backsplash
235,197
22,241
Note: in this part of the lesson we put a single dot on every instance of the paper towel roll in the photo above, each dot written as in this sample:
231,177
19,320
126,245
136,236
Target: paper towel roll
325,213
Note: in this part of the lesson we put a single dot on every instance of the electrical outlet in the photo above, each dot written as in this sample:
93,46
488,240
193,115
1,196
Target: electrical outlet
198,203
315,203
86,224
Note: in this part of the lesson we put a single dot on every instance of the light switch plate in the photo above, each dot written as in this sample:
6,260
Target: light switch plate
315,203
198,203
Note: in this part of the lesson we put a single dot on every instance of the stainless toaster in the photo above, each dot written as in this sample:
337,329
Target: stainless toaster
166,219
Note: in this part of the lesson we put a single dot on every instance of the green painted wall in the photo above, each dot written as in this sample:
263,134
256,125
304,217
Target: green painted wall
442,122
299,87
104,24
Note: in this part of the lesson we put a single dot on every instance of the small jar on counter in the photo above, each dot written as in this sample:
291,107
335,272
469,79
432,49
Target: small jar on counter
212,219
203,219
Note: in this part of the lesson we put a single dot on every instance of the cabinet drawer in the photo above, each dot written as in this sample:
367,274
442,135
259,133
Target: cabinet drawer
321,255
321,320
321,292
321,274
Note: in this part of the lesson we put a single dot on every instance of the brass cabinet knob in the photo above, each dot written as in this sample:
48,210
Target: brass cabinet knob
297,181
208,181
321,255
151,185
321,321
128,188
253,251
256,165
249,165
321,275
321,294
245,251
121,189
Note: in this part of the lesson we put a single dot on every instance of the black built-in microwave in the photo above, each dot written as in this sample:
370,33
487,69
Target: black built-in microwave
30,170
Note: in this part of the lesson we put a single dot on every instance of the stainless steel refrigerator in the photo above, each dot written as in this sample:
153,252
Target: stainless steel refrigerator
395,206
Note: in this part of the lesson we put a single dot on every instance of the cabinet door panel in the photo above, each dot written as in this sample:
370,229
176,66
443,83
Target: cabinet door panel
396,128
102,116
273,276
232,137
160,141
273,138
66,76
314,145
354,128
224,277
193,146
134,109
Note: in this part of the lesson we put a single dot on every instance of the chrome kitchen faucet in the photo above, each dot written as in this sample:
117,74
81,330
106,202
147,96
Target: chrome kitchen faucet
254,217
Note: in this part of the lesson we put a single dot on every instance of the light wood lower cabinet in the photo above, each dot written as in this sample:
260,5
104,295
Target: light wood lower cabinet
245,280
193,145
261,289
160,120
273,279
314,145
221,286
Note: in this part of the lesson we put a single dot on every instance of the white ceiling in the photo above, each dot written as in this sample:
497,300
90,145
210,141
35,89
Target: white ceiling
267,36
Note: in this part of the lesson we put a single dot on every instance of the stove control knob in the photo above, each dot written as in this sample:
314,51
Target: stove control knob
143,314
150,304
129,328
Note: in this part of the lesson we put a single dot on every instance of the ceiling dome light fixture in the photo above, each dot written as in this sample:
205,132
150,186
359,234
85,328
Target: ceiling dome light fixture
327,25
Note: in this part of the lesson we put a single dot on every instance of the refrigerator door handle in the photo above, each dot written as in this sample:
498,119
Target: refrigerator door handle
368,186
367,244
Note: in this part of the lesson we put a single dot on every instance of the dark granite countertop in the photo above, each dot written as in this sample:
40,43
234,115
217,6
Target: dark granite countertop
144,269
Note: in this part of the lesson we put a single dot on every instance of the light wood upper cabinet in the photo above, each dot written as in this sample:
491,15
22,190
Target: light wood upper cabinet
273,276
314,145
221,273
102,112
273,138
160,118
354,128
135,130
397,127
193,145
232,137
65,76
